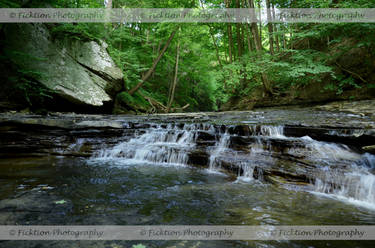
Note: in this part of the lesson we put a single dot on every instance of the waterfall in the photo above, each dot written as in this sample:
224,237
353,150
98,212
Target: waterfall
172,144
256,155
158,145
353,185
325,154
268,131
356,187
220,147
247,169
335,169
343,173
369,160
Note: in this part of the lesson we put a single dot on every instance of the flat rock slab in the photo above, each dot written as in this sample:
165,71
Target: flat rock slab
363,108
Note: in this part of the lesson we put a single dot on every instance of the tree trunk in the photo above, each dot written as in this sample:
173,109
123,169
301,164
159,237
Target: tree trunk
258,45
243,38
238,30
270,27
225,51
230,39
108,9
175,79
154,64
108,24
216,48
277,42
157,52
260,20
230,43
250,46
283,36
254,28
239,43
291,38
267,85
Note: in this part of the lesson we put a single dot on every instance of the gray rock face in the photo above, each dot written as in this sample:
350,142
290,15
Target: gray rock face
81,72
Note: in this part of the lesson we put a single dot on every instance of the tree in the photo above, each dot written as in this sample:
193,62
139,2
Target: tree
171,97
230,39
270,26
258,45
277,42
154,64
254,28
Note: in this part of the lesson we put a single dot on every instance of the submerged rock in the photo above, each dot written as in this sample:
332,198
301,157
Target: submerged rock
37,206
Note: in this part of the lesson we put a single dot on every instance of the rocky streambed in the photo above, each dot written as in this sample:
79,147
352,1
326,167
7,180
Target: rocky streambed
272,166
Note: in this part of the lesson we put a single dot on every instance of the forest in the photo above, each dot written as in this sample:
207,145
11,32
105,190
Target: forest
174,67
132,134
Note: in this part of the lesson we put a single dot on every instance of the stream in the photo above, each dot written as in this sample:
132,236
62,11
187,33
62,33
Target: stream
293,166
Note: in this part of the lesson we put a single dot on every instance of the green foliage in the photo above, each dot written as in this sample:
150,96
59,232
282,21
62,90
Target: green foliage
324,4
128,53
134,47
134,102
138,246
301,68
27,87
297,68
79,31
24,82
9,4
343,82
79,3
206,77
134,51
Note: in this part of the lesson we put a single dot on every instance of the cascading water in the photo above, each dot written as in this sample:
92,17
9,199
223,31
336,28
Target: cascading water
355,184
323,153
167,145
247,169
342,172
337,170
355,187
267,130
220,147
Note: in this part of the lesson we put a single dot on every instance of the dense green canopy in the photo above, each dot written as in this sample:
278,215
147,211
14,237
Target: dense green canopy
220,61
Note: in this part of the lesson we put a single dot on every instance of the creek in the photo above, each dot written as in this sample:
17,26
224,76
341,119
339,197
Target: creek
266,167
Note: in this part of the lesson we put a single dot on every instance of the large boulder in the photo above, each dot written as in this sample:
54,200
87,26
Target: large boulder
81,72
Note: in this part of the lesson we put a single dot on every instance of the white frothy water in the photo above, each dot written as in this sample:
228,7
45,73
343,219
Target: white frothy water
341,173
157,145
258,155
324,154
369,160
354,186
247,168
220,147
269,131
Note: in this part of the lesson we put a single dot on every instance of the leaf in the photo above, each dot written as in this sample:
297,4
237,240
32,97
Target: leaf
138,246
60,202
